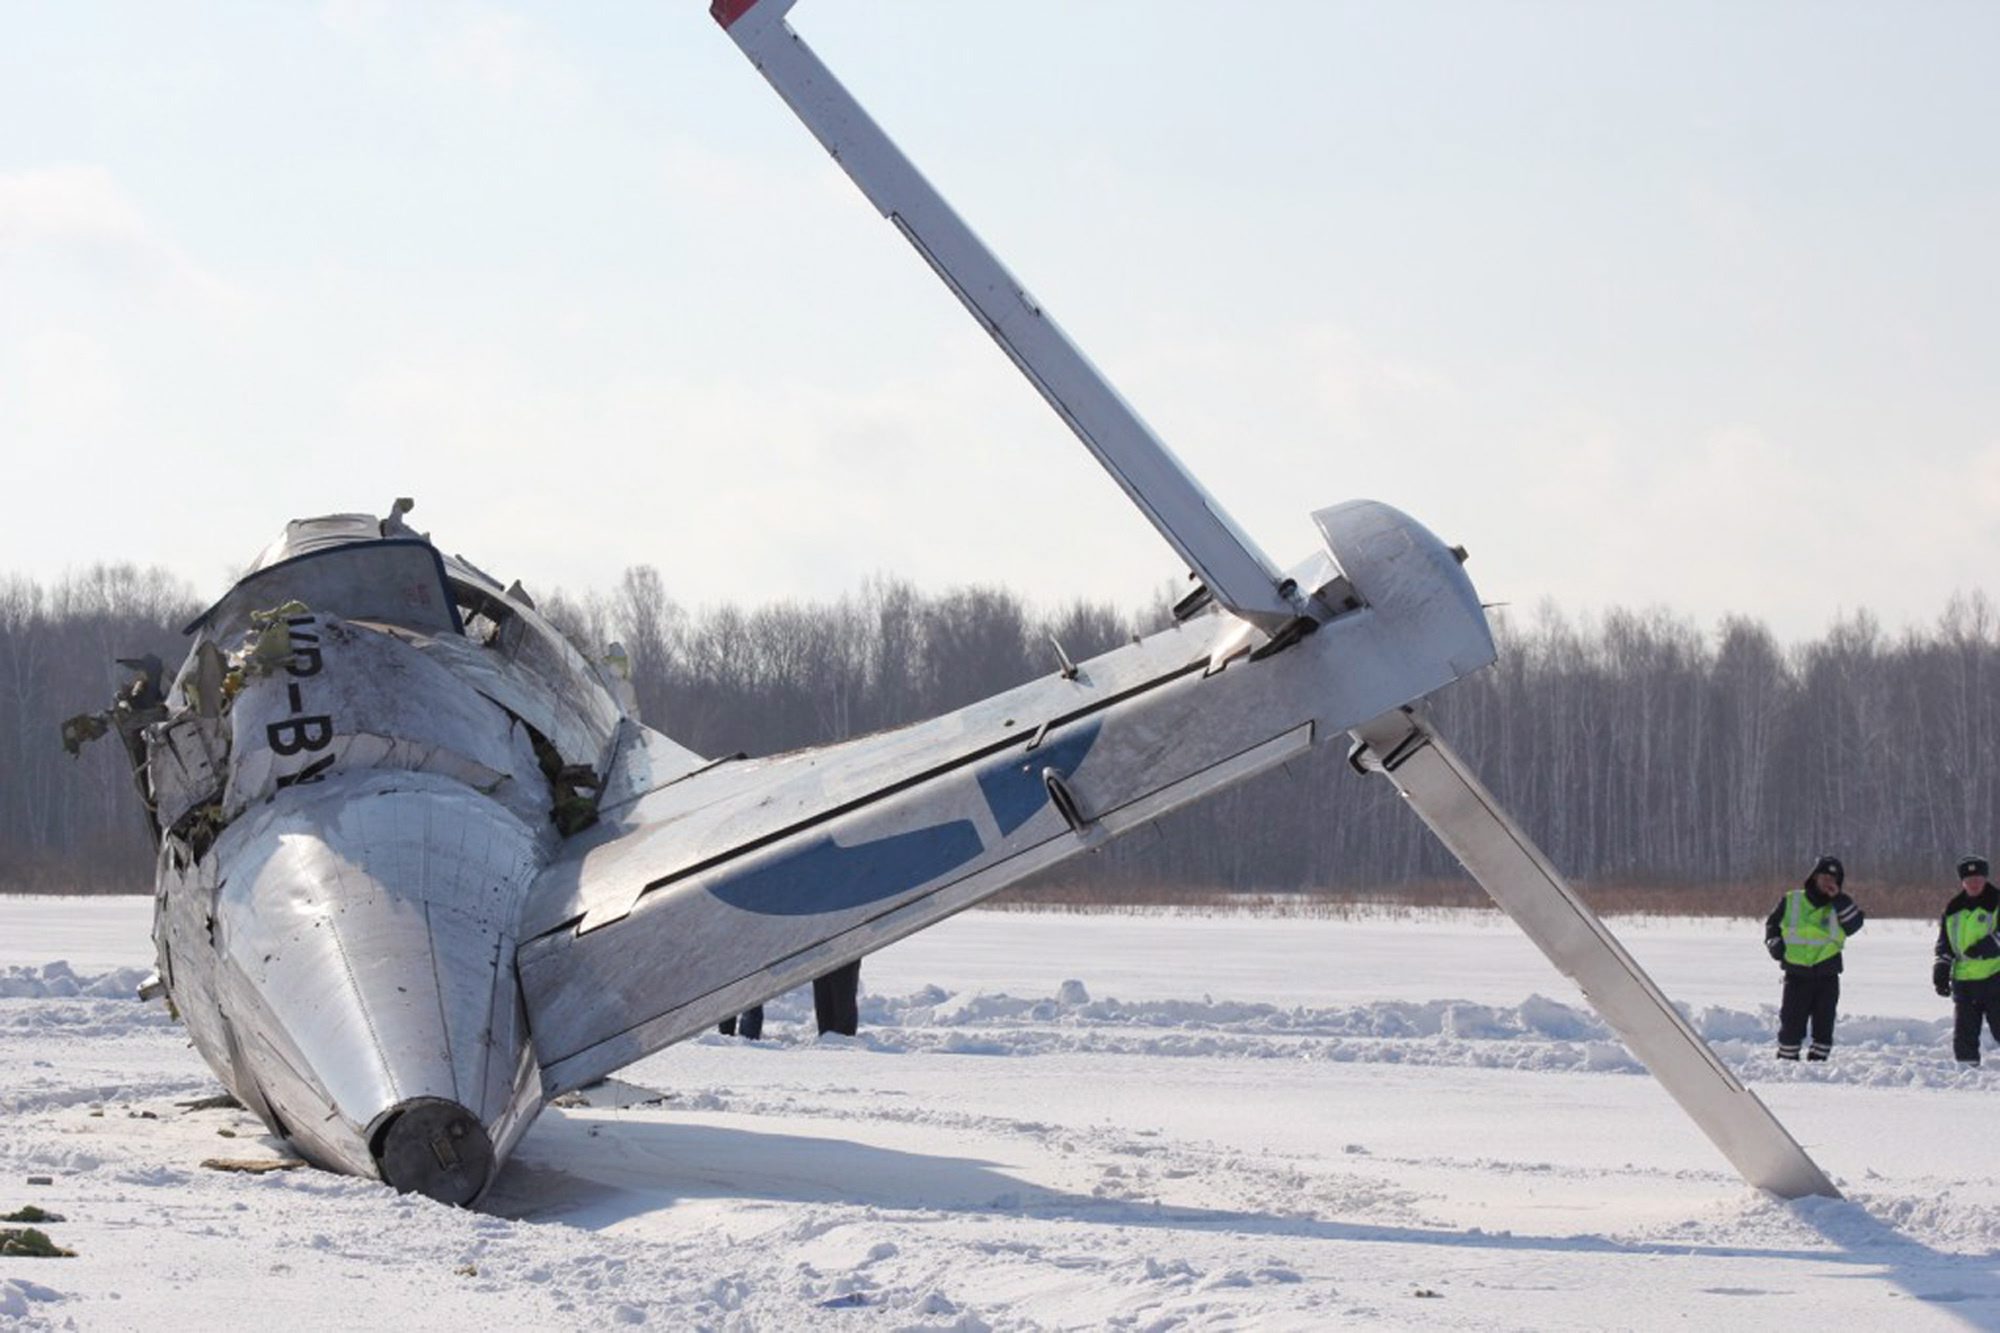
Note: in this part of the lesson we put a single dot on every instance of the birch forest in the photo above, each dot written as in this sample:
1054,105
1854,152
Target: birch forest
1643,750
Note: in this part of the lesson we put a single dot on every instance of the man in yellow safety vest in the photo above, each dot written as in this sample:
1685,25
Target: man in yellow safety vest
1806,933
1968,958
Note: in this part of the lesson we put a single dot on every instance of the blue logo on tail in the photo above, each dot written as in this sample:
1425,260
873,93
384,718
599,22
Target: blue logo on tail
1013,787
823,876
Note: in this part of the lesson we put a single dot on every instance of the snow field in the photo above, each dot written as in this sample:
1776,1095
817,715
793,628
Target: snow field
1050,1122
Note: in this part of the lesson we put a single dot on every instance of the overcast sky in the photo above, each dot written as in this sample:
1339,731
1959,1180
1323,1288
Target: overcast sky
1681,305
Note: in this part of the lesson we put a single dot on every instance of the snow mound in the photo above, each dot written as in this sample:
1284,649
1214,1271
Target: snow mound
58,980
18,1297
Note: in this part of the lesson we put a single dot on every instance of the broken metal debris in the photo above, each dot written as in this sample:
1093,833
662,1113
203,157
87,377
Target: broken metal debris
573,788
394,526
252,1166
221,1101
82,729
137,704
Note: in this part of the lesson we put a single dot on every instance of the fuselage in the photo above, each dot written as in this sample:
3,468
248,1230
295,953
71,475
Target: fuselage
366,759
421,867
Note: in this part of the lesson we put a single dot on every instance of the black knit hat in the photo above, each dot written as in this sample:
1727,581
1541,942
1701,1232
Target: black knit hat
1830,865
1968,866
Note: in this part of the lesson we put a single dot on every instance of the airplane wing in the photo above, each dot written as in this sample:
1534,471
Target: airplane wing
1442,790
1227,561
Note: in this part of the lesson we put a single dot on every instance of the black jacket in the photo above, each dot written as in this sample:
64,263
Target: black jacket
1988,900
1852,918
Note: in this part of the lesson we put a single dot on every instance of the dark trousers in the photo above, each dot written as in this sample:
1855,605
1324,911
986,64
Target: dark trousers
1973,1003
750,1023
1810,997
837,999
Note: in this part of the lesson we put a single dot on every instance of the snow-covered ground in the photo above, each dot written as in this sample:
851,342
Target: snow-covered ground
1057,1121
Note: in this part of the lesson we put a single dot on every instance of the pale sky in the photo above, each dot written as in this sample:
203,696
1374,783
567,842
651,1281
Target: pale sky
1685,305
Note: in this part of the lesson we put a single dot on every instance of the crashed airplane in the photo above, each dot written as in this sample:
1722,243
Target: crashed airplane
421,867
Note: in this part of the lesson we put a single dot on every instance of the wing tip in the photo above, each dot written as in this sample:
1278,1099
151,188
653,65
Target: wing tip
726,12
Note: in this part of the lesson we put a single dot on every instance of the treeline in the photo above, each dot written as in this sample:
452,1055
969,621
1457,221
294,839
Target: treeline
76,823
1641,749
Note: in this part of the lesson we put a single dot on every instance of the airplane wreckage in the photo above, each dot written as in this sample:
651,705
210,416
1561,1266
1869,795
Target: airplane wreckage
422,869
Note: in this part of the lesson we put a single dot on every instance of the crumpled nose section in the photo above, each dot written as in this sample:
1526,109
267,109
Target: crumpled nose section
367,931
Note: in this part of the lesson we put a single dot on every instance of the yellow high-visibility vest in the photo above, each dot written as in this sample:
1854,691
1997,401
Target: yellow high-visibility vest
1812,934
1963,929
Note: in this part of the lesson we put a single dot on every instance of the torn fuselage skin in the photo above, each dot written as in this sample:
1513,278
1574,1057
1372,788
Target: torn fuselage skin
350,778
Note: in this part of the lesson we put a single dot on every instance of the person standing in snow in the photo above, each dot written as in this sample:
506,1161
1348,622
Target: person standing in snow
837,999
836,1006
750,1023
1968,958
1805,933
